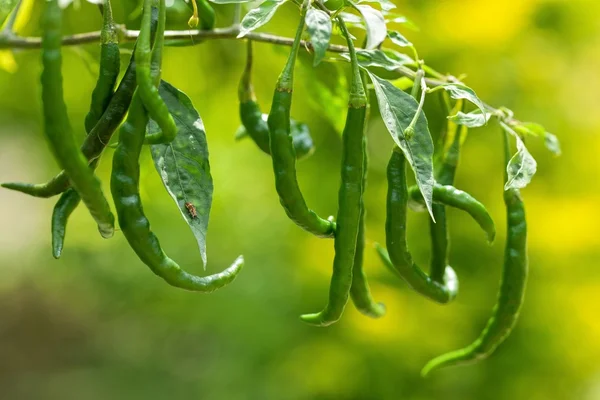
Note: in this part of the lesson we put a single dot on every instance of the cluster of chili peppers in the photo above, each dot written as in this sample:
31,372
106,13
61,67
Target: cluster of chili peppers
137,98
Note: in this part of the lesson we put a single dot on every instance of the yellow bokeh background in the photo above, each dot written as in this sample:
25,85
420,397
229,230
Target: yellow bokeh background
97,324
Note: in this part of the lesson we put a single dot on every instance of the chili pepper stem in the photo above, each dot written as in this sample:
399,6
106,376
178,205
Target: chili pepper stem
285,82
358,97
419,83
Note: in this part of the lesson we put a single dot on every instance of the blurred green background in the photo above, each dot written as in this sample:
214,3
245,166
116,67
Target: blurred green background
98,324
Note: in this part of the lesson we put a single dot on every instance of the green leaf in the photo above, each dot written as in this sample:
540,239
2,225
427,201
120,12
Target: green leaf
183,164
522,166
376,29
318,26
474,119
398,39
397,111
385,59
458,91
532,129
257,17
386,5
352,20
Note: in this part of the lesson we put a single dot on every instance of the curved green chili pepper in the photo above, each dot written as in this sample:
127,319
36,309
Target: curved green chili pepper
349,198
254,121
453,197
148,92
97,139
400,258
110,65
66,204
359,291
57,126
134,224
444,174
440,243
54,186
124,186
512,288
282,151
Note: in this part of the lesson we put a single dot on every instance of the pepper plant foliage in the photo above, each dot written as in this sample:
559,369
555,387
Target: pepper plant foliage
385,70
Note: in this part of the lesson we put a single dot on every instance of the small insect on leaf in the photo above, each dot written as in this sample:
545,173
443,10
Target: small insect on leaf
191,209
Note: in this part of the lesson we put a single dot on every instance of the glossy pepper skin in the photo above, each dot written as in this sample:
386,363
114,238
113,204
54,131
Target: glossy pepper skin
57,126
400,259
445,174
64,207
360,292
350,204
110,65
98,138
255,122
66,204
453,197
148,92
283,155
132,220
512,289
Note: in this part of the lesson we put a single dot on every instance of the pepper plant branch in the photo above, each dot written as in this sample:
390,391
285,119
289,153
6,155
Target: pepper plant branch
193,36
9,40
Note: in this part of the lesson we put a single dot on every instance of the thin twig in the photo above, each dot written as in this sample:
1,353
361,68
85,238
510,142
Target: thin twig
192,37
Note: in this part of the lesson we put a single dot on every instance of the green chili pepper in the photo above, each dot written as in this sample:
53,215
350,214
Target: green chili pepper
512,288
66,204
440,243
450,196
134,224
148,92
110,65
349,199
254,122
444,174
98,137
400,259
57,126
359,291
156,57
446,164
282,151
